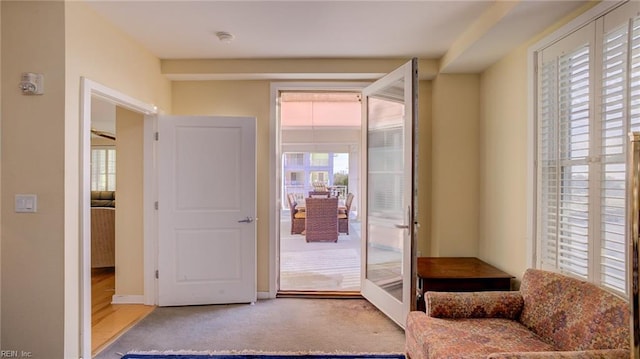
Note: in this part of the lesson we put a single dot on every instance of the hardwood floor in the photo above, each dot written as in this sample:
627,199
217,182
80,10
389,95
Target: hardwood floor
108,320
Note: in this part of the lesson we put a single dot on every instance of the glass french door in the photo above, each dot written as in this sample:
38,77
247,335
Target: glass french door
390,117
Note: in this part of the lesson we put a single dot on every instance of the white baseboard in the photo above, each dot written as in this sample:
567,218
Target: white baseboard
139,299
127,299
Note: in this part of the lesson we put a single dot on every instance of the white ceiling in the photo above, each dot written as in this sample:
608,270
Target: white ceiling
103,115
467,36
428,29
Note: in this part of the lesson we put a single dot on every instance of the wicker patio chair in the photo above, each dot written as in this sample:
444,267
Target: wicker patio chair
343,215
319,194
297,215
321,219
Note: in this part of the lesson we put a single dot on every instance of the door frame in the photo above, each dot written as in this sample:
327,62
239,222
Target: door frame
88,90
275,165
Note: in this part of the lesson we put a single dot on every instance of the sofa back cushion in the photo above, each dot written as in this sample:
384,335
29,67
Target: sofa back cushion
499,304
572,314
103,198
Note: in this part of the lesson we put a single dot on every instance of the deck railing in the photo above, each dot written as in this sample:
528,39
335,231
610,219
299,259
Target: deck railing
300,192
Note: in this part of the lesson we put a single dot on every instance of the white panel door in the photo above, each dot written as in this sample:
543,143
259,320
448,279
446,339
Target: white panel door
207,208
390,115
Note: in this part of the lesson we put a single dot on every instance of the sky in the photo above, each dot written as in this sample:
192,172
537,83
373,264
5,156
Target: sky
341,163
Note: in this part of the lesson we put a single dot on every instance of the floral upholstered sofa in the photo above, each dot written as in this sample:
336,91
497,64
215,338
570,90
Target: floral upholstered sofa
551,316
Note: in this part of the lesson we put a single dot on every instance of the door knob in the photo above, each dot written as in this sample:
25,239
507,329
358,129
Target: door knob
246,220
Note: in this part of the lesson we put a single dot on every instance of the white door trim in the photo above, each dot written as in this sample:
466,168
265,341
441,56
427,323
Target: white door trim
275,170
89,89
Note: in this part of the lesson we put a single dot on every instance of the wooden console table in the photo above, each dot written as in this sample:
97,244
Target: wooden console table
458,274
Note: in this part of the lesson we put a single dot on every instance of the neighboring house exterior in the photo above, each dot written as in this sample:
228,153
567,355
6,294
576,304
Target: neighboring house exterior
304,169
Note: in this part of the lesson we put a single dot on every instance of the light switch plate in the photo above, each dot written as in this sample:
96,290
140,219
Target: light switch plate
26,203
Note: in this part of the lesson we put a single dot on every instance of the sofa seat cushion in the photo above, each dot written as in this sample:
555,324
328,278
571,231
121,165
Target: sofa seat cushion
468,337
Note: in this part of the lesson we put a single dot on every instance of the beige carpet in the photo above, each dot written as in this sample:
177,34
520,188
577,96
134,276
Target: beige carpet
275,325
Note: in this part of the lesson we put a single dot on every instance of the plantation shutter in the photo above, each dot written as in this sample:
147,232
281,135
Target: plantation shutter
573,206
548,177
588,101
613,158
564,171
634,76
103,169
620,115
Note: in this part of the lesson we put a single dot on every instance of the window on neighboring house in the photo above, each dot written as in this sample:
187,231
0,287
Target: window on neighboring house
294,159
588,100
103,169
319,159
295,178
319,177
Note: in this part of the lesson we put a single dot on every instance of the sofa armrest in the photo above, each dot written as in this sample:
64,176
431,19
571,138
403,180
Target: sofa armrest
499,304
584,354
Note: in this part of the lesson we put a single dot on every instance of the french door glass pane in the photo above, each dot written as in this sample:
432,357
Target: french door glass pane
385,184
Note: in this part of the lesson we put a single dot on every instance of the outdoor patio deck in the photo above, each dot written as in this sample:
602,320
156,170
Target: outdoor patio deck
320,266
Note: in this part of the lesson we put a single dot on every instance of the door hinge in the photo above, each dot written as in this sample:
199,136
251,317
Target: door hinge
157,274
155,205
156,136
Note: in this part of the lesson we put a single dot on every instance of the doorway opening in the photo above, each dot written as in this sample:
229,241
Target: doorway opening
110,315
138,151
319,245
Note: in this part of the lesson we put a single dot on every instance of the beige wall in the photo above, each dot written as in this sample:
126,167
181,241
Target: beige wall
503,174
455,166
129,210
504,145
40,151
132,70
423,207
237,98
32,147
0,175
100,141
341,67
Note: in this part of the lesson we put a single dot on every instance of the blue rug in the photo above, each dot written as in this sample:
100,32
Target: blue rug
264,356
